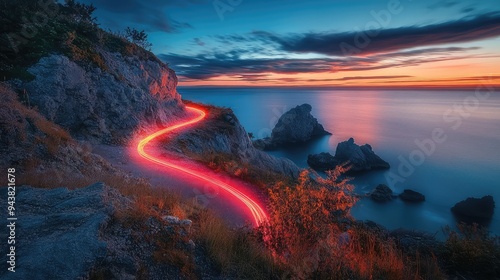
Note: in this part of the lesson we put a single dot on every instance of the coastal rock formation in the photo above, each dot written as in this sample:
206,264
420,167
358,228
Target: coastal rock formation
412,196
58,231
105,104
322,161
475,209
382,193
224,135
295,126
361,158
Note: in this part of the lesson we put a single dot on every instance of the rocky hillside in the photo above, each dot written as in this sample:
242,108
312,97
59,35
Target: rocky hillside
40,148
95,84
106,105
222,140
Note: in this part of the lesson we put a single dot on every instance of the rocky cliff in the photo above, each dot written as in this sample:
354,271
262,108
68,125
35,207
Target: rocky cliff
222,134
105,103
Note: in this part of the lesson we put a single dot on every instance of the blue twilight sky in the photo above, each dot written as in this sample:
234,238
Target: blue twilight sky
336,42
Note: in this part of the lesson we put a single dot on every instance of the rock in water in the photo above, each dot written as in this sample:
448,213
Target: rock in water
295,126
412,196
475,209
361,158
322,161
382,193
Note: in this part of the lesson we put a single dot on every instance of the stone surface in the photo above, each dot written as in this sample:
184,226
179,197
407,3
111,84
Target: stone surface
412,196
105,105
361,158
382,193
475,209
295,126
322,161
58,231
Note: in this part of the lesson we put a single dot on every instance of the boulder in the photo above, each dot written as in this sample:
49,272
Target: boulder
382,193
361,158
475,209
295,126
322,161
412,196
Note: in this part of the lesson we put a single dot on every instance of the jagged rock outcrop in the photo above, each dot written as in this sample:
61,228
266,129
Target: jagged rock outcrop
295,126
475,209
322,161
105,104
37,147
360,158
58,231
382,193
412,196
223,134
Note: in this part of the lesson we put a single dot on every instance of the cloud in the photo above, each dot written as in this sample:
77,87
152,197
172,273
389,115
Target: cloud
149,14
468,29
206,66
443,4
199,42
468,10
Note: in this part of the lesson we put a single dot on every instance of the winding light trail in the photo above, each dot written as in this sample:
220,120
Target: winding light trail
258,214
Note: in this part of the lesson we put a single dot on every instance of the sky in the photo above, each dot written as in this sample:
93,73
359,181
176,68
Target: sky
317,43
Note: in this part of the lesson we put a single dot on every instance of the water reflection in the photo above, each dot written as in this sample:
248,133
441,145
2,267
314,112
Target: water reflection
466,164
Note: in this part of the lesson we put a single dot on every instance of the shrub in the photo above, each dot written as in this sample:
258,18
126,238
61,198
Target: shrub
473,252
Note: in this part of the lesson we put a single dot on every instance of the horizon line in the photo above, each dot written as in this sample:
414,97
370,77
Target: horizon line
429,87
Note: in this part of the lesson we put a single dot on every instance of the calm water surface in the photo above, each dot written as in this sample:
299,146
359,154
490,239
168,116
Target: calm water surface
466,163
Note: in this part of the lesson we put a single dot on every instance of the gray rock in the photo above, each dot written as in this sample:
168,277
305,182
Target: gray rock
322,161
360,158
295,126
382,193
412,196
475,209
227,136
104,105
58,231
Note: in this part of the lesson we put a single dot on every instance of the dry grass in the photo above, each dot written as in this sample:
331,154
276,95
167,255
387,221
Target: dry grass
236,252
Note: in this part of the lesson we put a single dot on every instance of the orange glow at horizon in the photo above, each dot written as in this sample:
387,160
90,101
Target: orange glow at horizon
258,214
456,73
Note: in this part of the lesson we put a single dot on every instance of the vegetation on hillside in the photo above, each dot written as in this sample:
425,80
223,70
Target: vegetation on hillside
310,233
30,30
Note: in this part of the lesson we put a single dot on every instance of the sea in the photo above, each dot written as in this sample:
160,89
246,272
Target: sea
444,144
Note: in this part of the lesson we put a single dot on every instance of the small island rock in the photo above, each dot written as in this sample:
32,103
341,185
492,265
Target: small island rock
412,196
361,158
382,193
295,126
475,209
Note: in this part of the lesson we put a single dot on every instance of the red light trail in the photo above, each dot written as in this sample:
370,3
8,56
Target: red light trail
258,214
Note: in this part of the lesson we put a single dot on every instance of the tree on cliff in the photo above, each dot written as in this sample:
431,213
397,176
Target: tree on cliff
138,37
